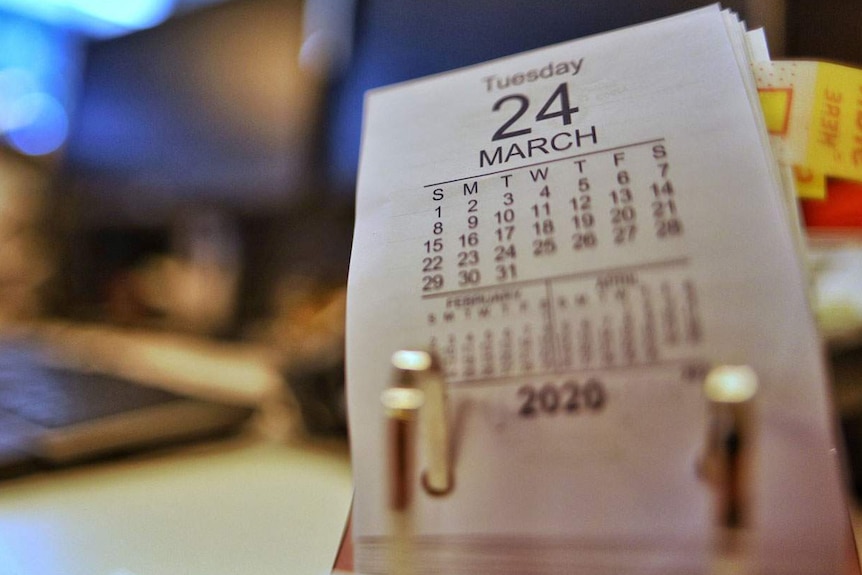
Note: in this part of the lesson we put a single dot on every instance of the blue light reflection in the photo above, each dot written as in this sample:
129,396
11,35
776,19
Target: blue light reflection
133,14
38,78
98,18
38,124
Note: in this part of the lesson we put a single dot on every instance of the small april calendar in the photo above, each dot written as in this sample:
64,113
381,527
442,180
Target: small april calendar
579,234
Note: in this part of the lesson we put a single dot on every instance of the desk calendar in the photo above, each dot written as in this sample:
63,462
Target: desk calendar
579,233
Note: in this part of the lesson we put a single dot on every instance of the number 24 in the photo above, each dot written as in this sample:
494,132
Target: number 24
565,111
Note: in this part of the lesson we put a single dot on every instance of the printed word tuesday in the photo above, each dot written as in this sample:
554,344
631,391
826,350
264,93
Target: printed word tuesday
495,82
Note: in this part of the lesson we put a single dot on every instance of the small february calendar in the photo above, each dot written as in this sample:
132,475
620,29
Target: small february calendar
579,234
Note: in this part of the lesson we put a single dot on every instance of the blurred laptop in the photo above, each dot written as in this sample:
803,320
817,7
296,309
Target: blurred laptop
68,398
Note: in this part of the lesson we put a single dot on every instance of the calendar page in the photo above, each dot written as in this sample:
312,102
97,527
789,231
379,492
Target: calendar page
579,233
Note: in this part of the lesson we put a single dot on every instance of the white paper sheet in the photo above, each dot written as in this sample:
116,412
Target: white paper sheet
577,275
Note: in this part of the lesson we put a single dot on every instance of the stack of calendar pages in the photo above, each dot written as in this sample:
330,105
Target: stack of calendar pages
580,234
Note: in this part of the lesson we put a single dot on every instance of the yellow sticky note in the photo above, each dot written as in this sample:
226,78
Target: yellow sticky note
776,108
835,131
813,112
810,184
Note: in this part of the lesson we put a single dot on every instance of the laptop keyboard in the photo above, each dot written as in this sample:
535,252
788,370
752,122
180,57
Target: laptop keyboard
57,397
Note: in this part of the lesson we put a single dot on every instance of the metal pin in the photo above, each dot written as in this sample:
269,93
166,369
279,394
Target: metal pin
730,391
420,369
401,405
417,387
